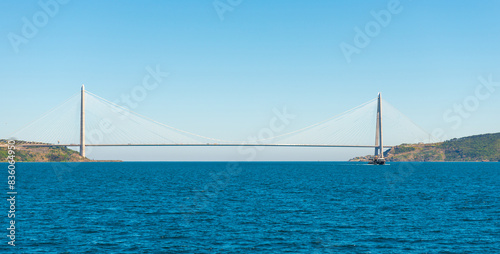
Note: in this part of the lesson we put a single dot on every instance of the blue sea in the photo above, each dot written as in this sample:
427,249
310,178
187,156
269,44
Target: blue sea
254,207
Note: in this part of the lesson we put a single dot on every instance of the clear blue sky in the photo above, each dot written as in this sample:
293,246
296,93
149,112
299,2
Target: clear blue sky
226,75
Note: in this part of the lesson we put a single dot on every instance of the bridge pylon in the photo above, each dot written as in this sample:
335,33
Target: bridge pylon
82,123
379,138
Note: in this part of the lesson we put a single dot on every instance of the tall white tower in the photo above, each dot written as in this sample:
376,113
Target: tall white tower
379,139
82,124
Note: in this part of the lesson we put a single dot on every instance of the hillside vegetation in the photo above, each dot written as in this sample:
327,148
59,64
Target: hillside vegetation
485,147
41,154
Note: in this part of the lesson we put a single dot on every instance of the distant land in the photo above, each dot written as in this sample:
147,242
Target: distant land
43,154
485,147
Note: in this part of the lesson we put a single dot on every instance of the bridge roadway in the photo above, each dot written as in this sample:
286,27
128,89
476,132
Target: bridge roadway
205,144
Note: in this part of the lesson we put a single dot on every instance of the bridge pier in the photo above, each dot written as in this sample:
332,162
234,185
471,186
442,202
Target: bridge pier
82,123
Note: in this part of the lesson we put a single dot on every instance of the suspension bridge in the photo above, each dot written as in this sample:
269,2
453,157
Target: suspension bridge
87,120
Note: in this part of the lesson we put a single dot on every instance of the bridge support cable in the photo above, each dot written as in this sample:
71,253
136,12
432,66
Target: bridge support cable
58,125
89,120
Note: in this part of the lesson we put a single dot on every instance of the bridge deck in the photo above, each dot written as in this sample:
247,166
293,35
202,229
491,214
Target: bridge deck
207,144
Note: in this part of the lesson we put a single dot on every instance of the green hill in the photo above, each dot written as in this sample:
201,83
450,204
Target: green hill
485,147
41,154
